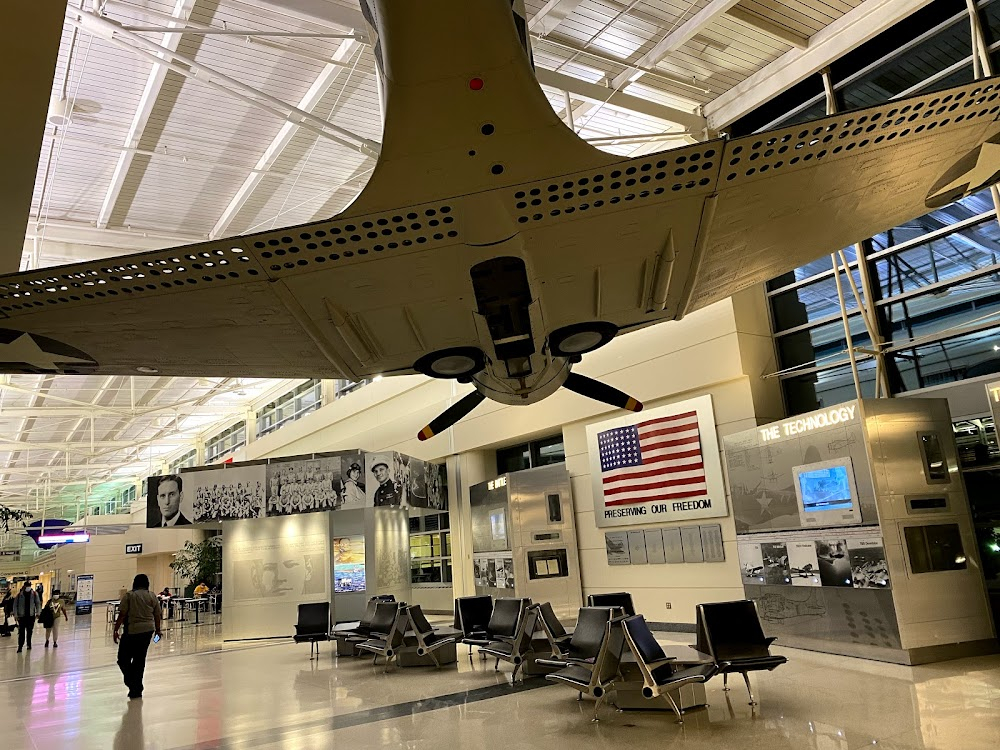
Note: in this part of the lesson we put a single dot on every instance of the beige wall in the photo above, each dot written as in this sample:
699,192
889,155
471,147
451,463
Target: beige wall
710,352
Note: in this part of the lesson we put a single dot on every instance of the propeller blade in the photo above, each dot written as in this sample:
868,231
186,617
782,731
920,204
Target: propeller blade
451,415
602,392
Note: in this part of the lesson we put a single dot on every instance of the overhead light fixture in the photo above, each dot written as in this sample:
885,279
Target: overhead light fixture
146,370
77,537
60,111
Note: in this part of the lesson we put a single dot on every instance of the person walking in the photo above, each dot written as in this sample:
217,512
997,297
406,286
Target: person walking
56,610
8,612
141,617
26,609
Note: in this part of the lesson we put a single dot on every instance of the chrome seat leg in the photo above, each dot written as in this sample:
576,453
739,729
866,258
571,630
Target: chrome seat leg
597,706
746,679
725,682
675,707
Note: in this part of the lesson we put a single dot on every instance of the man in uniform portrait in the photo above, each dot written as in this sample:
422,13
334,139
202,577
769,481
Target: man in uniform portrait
387,492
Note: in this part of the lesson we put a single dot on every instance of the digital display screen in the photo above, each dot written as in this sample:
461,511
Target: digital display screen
348,564
825,489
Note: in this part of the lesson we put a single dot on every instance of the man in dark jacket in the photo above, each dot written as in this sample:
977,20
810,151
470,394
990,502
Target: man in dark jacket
26,608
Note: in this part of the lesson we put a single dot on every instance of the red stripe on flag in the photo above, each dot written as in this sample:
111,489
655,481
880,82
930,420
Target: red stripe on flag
674,418
671,496
655,472
655,485
670,443
667,431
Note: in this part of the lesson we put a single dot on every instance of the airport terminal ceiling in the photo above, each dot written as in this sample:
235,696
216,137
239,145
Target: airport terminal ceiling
258,123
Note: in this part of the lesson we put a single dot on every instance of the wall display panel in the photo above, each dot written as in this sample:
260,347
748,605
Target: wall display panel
655,552
673,551
869,568
383,487
803,563
637,548
227,494
490,516
765,464
691,544
348,564
304,485
660,465
711,542
392,547
495,570
834,563
167,504
751,563
774,556
616,546
266,569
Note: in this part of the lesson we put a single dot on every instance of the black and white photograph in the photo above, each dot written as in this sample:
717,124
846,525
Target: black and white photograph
775,559
228,494
352,481
437,496
479,570
803,564
834,564
304,486
167,504
869,568
384,490
751,562
506,573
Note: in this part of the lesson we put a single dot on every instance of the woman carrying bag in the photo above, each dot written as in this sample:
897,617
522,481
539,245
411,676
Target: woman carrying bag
140,615
49,618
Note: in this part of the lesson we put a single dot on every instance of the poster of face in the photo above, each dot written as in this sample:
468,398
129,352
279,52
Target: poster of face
304,486
834,564
166,502
348,564
869,568
751,562
288,567
775,559
384,490
228,494
352,479
803,564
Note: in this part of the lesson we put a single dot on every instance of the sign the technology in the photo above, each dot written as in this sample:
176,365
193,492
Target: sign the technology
133,549
828,418
84,594
659,465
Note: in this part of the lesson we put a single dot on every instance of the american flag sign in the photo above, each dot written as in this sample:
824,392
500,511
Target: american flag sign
656,460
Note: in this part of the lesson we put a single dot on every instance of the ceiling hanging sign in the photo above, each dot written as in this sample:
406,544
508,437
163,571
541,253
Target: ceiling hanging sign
659,465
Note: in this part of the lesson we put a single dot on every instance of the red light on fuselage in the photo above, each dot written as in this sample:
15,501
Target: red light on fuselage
476,84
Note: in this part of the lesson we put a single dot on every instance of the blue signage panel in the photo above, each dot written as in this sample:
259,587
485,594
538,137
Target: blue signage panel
84,594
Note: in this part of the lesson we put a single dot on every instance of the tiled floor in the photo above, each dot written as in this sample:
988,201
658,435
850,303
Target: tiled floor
201,694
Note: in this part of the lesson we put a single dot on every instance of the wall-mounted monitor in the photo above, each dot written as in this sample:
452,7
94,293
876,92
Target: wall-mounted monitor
827,493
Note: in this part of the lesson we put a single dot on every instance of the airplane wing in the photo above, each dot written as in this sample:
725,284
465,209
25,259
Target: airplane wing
790,195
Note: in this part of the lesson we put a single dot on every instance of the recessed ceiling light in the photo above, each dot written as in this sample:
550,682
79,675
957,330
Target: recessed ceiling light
145,370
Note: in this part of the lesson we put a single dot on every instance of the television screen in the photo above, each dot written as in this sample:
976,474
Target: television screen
825,489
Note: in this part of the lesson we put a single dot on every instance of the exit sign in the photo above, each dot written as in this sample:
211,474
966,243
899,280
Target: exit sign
133,549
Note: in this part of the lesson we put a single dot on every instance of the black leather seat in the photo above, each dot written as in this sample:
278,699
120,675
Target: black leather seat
621,599
596,678
583,645
732,634
659,678
554,630
428,641
472,617
313,626
516,649
387,643
503,623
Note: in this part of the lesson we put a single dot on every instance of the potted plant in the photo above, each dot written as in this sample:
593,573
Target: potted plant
199,561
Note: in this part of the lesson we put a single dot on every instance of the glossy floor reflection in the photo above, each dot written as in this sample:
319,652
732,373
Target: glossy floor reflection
202,694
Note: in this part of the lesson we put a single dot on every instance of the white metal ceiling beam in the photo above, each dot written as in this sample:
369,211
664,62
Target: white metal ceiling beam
273,152
769,27
603,95
324,12
150,93
135,239
854,28
675,39
550,15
